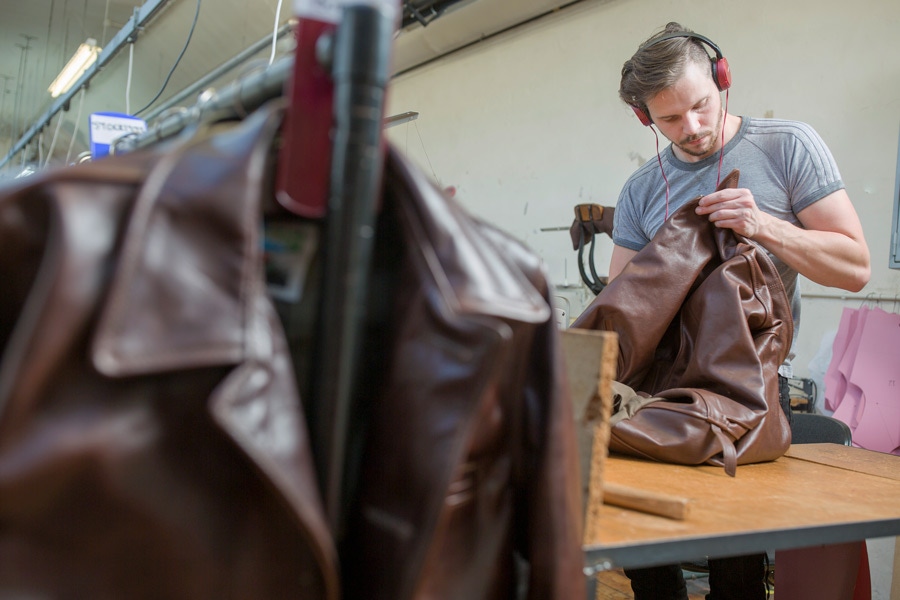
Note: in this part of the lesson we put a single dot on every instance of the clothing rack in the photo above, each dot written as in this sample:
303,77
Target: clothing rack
239,59
238,99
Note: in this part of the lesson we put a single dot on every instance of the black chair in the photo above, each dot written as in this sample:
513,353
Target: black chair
811,428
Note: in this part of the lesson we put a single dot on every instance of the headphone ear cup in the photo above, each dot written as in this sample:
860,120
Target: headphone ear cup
721,73
642,116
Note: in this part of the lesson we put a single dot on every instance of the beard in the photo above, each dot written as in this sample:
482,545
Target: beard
707,148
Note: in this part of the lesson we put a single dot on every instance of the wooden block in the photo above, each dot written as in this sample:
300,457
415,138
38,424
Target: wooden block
654,503
591,367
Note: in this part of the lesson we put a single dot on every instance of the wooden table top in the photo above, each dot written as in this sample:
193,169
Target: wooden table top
815,494
855,459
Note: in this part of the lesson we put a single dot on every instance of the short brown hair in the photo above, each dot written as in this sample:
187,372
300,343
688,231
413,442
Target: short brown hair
658,65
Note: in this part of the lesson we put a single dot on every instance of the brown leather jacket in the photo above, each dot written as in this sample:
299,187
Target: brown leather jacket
471,457
152,440
152,444
704,323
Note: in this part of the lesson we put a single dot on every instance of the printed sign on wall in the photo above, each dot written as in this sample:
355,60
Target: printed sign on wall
107,127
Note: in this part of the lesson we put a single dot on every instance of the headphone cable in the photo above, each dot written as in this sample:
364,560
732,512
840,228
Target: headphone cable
661,170
721,155
722,147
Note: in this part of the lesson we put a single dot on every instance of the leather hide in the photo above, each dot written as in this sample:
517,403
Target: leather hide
704,323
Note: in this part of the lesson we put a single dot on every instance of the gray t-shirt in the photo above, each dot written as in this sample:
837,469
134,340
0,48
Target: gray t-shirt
785,164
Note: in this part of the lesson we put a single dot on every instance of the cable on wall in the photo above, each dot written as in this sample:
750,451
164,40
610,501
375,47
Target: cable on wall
177,60
128,79
436,178
105,24
275,32
77,121
53,140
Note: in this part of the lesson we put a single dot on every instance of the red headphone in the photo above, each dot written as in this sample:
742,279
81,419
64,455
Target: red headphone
721,72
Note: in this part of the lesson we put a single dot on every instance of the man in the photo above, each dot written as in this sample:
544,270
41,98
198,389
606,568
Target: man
793,203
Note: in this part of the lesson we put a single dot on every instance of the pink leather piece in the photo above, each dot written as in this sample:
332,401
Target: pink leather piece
851,403
835,381
876,371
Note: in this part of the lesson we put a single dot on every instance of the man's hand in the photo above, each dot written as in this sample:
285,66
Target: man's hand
828,248
735,209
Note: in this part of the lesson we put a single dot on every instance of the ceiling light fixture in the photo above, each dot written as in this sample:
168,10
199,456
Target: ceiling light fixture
83,58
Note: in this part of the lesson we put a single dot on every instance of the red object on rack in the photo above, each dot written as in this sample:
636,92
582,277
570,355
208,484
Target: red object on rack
304,159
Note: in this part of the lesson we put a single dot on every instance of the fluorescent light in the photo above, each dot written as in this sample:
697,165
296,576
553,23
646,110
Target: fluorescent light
83,58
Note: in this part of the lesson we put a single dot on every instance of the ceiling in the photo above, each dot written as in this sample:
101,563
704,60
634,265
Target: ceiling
37,37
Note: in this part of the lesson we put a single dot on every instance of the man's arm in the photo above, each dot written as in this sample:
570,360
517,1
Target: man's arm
620,257
830,251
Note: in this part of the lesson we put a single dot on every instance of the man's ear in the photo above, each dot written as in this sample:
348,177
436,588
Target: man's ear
643,114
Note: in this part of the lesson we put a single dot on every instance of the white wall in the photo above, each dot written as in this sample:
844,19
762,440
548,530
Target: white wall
528,123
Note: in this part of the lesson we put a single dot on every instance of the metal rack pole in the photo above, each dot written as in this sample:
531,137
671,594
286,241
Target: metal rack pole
236,100
232,63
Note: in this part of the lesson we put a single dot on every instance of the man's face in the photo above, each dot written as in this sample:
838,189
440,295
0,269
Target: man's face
689,114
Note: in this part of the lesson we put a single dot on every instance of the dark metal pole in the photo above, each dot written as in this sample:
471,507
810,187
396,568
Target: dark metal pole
361,62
